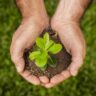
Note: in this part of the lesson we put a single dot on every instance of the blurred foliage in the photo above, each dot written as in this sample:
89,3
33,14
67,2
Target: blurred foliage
11,84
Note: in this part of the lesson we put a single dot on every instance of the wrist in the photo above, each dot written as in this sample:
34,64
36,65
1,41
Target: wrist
37,21
31,8
71,9
57,25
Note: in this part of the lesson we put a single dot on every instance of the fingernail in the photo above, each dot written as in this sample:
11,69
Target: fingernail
19,69
74,73
44,79
48,86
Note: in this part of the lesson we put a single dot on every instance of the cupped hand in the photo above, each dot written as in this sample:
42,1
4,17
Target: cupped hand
66,23
34,21
73,40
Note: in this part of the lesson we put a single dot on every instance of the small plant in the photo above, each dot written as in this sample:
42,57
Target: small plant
43,50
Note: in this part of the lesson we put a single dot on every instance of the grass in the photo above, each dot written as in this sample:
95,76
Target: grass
11,84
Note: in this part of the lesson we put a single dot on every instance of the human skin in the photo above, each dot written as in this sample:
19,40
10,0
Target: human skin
34,21
66,22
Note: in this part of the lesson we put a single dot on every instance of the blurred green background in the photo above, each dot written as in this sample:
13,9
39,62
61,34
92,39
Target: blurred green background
11,84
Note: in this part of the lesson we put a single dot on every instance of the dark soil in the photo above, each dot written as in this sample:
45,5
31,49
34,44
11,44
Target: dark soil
63,60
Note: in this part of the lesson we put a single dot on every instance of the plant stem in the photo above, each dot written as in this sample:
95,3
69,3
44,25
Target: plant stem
50,59
52,62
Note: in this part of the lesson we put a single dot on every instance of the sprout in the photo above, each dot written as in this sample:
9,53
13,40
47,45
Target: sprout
44,47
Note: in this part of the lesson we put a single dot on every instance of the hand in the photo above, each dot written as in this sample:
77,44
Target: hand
66,23
34,21
72,38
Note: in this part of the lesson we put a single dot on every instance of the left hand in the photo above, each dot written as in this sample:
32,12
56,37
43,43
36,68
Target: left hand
34,21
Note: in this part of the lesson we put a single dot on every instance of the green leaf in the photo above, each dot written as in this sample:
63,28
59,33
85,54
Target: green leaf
49,44
54,49
34,55
40,43
46,39
44,68
41,61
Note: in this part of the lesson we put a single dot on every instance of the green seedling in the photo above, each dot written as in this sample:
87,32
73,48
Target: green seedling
44,49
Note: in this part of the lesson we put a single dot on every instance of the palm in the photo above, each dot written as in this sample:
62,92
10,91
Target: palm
72,39
23,39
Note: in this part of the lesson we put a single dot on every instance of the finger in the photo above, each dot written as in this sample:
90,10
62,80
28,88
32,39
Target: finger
77,61
19,63
49,85
44,79
58,78
30,78
75,66
17,56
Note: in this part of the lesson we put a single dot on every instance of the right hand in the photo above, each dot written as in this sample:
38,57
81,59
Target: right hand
31,27
66,23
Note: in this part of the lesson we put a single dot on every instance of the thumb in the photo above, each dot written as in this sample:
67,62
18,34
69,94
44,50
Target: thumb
75,66
20,65
17,56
